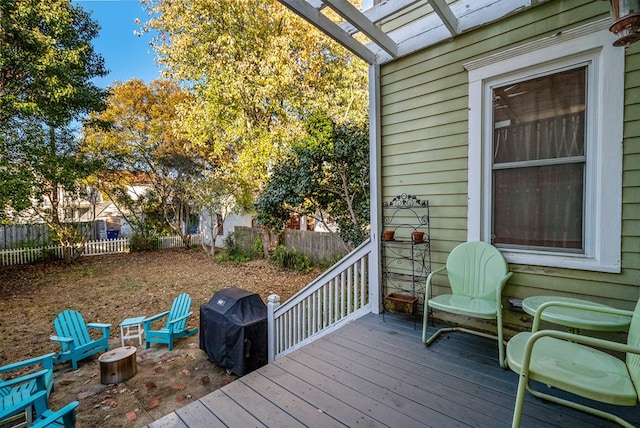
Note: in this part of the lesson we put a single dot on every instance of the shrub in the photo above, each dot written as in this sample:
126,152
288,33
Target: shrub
290,259
258,247
138,242
234,252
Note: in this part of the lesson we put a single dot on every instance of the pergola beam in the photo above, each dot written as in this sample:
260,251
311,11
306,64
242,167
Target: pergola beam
315,17
413,24
380,12
347,11
442,9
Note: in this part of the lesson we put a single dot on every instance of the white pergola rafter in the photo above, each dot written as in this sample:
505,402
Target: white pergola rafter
362,23
441,20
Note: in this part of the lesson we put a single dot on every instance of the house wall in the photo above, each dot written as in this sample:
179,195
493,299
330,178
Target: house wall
231,221
424,132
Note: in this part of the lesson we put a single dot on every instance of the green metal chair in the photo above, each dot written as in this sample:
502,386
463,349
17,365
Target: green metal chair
176,325
570,362
73,336
477,274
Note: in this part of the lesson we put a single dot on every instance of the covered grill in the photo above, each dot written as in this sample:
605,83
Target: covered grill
233,330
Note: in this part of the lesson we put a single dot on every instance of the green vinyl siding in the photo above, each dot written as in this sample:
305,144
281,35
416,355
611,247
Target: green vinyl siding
424,134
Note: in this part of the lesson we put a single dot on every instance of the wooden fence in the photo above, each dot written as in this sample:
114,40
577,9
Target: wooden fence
321,247
92,248
38,234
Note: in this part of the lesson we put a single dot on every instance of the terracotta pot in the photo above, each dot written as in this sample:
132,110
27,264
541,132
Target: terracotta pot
388,235
400,302
418,237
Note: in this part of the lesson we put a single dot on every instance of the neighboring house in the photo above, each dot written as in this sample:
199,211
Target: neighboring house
106,218
220,228
518,121
317,223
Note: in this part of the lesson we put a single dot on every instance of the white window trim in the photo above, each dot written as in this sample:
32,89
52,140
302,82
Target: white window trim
603,195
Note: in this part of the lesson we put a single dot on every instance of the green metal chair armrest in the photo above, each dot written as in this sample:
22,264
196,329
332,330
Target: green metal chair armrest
501,285
435,272
46,360
603,309
576,338
429,279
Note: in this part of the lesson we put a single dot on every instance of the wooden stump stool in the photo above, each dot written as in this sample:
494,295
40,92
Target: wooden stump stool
118,365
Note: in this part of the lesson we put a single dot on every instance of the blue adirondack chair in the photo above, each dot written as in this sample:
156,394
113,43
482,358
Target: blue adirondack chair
176,326
18,395
64,417
44,417
73,335
43,362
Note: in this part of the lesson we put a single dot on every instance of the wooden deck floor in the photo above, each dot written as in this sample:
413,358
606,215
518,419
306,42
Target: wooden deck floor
375,373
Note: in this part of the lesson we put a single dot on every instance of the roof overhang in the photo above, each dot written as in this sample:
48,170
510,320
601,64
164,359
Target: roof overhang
392,29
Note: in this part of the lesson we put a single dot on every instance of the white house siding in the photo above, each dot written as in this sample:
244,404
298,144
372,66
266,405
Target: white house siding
424,125
228,226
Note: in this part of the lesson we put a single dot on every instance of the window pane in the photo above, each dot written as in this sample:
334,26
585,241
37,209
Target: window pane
539,206
539,161
553,138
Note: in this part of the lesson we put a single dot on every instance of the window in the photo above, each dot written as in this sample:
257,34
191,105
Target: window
219,224
538,160
545,154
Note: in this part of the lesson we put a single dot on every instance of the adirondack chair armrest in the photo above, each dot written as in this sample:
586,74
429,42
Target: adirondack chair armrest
98,325
46,360
38,399
185,316
152,318
104,327
38,376
66,412
61,339
604,309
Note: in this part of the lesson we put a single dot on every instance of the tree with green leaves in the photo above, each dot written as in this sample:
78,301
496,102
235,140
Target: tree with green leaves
137,140
324,174
47,62
255,69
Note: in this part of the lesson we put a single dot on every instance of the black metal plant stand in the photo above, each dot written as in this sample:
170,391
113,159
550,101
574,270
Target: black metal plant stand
406,253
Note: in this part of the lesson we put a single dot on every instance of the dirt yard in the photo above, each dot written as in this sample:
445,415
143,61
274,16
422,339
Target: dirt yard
109,289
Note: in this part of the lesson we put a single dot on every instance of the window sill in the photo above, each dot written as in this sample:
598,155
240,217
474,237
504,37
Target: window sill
560,261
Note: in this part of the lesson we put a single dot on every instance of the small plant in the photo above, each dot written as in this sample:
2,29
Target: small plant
258,247
234,252
290,259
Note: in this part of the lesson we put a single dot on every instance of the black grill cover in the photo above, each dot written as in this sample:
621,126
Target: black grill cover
233,330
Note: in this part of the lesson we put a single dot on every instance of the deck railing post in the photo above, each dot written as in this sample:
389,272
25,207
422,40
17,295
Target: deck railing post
273,302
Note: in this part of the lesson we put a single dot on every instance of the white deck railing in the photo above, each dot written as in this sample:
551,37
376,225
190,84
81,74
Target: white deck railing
339,295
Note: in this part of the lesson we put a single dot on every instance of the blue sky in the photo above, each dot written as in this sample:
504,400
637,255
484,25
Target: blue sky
126,55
